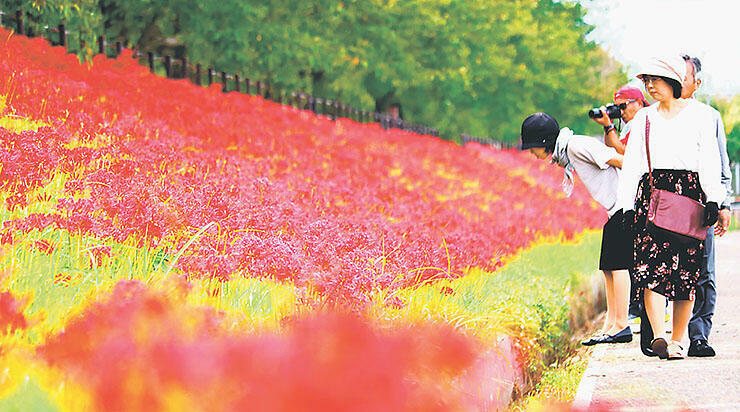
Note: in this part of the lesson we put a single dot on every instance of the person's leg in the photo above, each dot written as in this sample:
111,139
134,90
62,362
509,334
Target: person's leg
609,284
681,316
655,309
621,295
706,294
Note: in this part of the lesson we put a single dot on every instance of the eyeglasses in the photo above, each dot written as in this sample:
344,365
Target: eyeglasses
647,79
623,106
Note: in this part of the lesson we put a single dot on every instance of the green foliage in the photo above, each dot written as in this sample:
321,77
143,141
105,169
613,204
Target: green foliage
476,66
28,397
730,110
733,143
82,18
540,299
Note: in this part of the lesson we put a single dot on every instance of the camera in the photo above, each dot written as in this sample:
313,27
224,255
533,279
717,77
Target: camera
612,110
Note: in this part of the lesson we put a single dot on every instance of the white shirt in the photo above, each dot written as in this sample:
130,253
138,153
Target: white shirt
589,156
686,142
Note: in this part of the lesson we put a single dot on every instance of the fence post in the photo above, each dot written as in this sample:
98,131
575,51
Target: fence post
198,74
167,66
62,36
185,72
101,45
210,77
223,81
259,87
150,58
247,85
19,21
237,82
119,48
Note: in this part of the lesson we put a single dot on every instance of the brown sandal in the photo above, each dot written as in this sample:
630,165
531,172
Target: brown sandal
660,347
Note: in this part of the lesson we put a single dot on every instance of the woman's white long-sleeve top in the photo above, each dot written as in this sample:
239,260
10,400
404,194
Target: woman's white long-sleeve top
685,142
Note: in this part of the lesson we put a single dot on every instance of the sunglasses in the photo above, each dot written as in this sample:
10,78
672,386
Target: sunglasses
648,79
623,106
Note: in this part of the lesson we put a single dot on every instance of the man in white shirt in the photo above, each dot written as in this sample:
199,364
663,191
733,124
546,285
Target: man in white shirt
706,293
597,165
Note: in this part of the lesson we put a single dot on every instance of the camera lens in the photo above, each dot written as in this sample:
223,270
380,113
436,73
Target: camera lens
595,113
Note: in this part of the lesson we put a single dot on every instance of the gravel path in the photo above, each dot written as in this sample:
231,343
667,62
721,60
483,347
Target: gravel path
620,377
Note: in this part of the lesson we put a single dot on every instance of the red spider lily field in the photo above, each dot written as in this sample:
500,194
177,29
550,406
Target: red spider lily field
167,246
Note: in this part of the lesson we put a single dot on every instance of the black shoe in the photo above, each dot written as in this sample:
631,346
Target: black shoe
593,340
700,348
623,336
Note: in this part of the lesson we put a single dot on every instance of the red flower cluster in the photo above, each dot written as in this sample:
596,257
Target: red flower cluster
137,348
11,313
339,206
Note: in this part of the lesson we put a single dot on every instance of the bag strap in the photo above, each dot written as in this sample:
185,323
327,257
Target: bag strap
647,149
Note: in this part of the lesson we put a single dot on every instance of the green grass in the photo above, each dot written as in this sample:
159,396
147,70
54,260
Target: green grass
540,299
28,397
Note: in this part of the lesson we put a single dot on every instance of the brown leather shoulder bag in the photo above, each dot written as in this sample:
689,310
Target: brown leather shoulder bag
672,216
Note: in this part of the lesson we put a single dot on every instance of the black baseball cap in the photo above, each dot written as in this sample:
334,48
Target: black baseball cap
539,130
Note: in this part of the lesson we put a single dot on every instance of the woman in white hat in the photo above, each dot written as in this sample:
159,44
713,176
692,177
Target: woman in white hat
685,159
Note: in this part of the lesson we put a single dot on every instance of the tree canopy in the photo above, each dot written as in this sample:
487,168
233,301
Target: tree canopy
473,66
730,110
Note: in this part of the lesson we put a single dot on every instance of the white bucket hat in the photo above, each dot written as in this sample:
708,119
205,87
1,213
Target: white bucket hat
672,67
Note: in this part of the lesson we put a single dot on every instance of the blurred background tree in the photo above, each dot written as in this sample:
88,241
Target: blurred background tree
730,110
474,66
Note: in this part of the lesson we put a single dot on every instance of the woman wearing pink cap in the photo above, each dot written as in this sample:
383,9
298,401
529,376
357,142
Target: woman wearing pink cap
685,160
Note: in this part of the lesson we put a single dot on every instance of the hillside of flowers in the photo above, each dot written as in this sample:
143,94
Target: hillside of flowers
124,192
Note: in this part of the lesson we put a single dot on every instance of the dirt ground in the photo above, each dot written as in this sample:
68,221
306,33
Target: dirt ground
620,378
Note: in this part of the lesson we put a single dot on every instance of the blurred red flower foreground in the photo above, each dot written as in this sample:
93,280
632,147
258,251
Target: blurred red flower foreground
137,349
233,185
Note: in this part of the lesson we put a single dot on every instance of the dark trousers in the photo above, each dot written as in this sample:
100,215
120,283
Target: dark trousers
706,294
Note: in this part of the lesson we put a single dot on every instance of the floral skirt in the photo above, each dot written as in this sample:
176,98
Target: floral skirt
661,265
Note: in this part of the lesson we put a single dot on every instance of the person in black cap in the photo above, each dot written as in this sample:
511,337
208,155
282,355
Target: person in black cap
597,165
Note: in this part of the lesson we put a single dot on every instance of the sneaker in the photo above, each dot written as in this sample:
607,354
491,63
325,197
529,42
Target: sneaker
634,324
675,351
700,348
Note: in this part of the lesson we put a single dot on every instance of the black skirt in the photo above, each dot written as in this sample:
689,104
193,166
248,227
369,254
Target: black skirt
661,265
616,245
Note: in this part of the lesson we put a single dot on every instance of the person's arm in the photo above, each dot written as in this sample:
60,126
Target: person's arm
632,166
616,161
611,137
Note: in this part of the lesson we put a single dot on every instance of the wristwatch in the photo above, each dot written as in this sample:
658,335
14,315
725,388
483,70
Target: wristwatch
608,128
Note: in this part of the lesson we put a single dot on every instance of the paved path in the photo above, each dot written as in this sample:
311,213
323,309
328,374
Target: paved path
620,378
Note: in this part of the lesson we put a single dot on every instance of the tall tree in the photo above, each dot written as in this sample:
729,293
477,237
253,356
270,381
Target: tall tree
473,66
